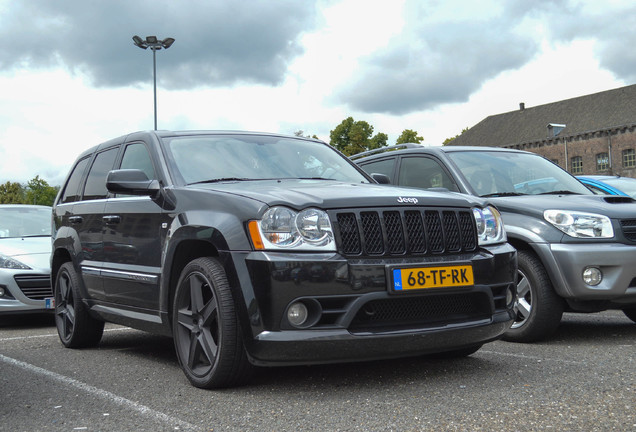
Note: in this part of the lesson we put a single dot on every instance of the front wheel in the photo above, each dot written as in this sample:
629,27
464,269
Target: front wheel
207,335
76,328
538,307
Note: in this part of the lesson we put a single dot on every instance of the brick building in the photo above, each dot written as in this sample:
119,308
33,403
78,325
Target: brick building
592,134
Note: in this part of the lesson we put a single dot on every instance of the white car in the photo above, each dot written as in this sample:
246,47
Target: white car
25,251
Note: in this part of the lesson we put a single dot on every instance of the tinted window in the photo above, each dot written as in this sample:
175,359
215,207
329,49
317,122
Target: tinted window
136,157
384,166
96,182
246,157
72,186
422,172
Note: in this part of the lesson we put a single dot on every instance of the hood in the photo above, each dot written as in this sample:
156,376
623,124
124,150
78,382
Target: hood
615,207
32,251
328,194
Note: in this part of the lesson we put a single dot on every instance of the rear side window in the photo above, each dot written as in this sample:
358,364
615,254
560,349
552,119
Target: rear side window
425,173
72,186
95,187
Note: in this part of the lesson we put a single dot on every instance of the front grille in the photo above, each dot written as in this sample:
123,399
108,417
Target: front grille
405,232
35,287
629,229
422,311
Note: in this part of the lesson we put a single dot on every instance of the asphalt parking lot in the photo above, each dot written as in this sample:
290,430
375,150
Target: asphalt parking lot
583,379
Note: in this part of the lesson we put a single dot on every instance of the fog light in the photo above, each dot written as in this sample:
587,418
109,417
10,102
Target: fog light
297,314
592,276
1,291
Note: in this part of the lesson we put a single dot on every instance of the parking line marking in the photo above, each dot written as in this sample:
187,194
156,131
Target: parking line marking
523,356
126,403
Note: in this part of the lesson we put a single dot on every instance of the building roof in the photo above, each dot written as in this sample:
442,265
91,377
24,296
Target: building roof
611,109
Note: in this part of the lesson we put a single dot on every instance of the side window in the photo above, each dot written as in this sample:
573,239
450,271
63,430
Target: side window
71,190
424,173
95,187
136,156
384,166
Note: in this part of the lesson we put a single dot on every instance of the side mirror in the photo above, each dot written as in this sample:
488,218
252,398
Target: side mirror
381,178
131,182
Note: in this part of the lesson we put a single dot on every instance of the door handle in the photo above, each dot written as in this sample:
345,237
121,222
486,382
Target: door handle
75,219
111,220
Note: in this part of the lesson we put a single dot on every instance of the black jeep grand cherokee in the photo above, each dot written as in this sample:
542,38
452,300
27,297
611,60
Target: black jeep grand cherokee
254,249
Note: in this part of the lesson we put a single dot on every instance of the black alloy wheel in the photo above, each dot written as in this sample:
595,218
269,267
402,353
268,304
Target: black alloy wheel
75,326
206,332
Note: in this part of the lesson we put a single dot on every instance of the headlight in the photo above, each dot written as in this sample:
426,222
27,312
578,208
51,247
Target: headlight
10,263
284,228
490,228
579,224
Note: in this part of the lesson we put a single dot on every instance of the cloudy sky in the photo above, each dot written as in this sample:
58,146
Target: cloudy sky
70,76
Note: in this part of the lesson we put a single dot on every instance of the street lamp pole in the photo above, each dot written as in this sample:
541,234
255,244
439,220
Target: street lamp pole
154,44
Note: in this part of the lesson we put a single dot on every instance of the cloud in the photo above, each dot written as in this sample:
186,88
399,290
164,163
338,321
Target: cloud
217,43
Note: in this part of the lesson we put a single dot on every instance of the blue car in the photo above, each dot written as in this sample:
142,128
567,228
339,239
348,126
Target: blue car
610,185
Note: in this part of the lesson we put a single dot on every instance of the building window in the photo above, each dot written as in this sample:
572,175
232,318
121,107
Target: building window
577,165
629,158
554,161
602,162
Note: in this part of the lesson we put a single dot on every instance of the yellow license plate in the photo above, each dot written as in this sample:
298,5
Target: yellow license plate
432,277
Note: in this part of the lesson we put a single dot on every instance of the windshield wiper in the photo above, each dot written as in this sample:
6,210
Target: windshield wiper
501,194
221,180
559,192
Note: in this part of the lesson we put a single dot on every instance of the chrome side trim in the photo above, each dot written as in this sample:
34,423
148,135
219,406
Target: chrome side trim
116,274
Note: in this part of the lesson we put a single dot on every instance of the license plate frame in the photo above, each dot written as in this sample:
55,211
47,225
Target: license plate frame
434,276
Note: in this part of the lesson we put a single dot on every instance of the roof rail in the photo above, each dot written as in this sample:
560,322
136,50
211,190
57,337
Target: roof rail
384,149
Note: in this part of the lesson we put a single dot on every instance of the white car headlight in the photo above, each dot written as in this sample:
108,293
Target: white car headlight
580,224
10,263
284,228
490,228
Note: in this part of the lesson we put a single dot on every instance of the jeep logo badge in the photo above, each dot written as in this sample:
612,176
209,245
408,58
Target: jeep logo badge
407,200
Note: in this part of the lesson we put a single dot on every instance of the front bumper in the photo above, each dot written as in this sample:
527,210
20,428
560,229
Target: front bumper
24,291
566,262
357,317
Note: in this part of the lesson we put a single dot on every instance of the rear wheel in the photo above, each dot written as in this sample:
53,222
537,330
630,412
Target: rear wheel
538,307
630,313
76,328
207,334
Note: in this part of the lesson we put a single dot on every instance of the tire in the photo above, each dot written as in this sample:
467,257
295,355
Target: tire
206,332
630,313
538,307
75,326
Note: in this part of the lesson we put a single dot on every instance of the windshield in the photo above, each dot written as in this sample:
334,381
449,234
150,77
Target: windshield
19,221
492,173
212,158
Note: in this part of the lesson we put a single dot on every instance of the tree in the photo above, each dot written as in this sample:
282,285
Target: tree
351,137
301,133
448,140
39,192
409,136
12,193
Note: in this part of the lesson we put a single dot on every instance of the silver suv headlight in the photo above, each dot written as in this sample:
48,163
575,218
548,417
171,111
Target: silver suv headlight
580,224
284,228
11,263
490,227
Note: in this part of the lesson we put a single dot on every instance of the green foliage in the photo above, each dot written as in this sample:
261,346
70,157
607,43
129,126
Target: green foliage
409,136
39,192
448,140
36,191
301,133
352,137
12,193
